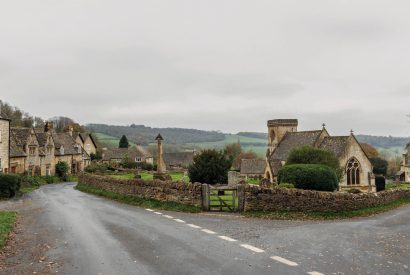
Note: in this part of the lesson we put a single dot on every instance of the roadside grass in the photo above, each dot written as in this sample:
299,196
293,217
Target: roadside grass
7,220
290,215
138,201
393,185
176,176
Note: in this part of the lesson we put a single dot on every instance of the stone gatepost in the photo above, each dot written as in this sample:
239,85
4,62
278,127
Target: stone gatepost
205,197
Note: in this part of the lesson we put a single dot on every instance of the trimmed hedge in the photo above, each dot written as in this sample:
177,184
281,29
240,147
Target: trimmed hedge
309,177
9,185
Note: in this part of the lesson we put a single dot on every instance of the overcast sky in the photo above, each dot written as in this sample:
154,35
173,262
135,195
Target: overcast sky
210,64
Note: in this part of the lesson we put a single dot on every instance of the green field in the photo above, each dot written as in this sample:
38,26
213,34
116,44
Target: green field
176,176
229,138
109,140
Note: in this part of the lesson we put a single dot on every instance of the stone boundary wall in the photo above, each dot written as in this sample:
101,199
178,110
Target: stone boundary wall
180,192
265,199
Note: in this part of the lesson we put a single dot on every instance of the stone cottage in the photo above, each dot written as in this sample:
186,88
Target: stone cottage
86,141
4,145
136,154
404,174
283,136
178,160
253,168
25,143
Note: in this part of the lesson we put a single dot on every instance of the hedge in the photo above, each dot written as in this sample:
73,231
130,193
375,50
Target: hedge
309,177
9,185
380,183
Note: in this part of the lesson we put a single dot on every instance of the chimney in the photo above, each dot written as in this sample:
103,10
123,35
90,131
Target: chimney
49,126
70,130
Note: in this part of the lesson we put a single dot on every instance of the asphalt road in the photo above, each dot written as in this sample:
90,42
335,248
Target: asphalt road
92,235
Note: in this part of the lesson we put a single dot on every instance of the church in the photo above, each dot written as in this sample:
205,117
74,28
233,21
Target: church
283,136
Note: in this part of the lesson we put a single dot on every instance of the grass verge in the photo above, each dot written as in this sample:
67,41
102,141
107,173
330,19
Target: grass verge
147,203
7,220
291,215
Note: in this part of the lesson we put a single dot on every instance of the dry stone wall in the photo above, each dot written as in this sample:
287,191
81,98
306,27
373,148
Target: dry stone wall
265,199
180,192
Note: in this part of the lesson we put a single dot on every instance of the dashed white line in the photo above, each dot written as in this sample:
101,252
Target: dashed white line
194,226
315,273
284,261
158,213
178,220
227,238
252,248
168,217
150,210
209,231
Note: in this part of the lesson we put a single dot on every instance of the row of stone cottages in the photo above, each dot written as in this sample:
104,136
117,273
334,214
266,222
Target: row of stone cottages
36,151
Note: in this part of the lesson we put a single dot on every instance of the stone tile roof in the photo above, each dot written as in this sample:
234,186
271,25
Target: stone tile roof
42,139
16,151
253,166
179,159
292,140
337,145
119,153
67,141
276,165
20,135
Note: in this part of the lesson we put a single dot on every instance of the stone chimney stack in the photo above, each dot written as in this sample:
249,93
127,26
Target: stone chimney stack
70,130
49,126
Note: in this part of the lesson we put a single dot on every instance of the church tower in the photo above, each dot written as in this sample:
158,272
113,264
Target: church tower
277,129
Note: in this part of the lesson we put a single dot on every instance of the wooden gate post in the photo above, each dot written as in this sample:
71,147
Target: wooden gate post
241,197
205,197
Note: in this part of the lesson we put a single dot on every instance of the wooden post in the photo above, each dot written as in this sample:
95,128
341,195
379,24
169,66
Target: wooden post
205,197
241,197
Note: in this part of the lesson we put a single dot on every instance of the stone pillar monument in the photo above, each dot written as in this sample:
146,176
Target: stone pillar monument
161,173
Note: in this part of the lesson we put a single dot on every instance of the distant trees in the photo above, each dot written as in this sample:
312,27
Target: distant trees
236,153
76,128
210,166
18,117
61,122
123,142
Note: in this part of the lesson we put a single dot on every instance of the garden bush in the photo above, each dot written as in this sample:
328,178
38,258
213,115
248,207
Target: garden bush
95,167
62,170
211,166
9,185
309,176
311,155
380,183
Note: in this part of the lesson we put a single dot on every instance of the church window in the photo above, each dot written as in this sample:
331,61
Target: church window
353,172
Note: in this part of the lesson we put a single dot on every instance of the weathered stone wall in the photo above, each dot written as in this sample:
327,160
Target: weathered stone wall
180,192
265,199
4,144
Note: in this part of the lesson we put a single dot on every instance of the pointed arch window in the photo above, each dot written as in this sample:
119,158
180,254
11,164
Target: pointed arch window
353,172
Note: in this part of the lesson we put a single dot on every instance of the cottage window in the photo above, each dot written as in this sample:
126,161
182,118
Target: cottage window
138,159
61,150
32,151
353,172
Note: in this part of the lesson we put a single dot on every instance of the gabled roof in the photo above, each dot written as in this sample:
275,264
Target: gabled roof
67,141
180,159
16,151
119,153
337,145
21,135
295,139
83,137
253,166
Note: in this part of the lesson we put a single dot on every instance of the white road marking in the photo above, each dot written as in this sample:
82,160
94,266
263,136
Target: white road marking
168,216
315,273
150,210
284,261
194,226
252,248
208,231
158,213
178,220
227,239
